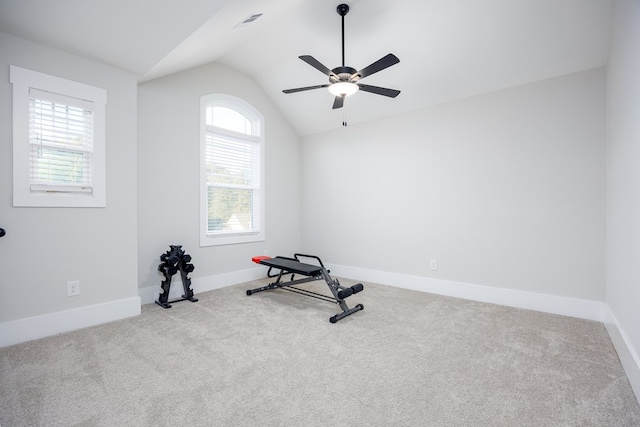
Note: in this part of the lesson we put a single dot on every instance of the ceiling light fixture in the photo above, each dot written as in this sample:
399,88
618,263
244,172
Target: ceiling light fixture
343,88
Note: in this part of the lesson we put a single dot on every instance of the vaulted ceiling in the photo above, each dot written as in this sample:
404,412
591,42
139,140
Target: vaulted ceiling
448,49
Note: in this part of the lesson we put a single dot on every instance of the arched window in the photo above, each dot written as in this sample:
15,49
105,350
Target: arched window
232,172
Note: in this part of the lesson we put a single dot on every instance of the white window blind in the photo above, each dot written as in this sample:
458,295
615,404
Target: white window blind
61,142
233,183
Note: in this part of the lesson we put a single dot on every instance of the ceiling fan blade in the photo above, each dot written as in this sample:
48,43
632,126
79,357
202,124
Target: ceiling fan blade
379,65
338,102
300,89
317,65
391,93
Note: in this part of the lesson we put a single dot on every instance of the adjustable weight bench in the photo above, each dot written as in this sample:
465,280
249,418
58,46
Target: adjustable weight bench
312,273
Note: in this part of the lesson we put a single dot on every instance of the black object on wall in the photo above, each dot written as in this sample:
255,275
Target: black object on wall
2,232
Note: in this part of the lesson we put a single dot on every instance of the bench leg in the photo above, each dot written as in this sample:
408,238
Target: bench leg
346,313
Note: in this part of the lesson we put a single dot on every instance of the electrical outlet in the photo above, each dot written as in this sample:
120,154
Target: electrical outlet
73,288
434,264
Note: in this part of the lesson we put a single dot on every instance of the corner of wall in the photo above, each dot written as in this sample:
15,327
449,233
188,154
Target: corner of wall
626,353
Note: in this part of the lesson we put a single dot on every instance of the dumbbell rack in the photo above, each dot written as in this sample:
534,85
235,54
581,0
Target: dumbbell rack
175,260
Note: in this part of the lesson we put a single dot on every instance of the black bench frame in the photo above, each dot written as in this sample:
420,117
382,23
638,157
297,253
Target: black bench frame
293,266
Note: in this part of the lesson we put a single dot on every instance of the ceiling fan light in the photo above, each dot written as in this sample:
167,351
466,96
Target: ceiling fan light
343,88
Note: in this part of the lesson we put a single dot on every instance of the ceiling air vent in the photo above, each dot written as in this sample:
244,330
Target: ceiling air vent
248,20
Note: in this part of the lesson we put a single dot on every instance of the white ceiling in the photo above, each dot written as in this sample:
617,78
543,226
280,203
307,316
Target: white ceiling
448,49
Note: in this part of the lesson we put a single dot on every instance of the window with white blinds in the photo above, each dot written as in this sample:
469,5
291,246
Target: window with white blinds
58,141
61,142
232,169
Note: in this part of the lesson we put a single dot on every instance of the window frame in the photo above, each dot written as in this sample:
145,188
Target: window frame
28,194
257,136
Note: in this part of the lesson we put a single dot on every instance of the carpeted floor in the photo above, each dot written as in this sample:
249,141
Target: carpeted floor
273,359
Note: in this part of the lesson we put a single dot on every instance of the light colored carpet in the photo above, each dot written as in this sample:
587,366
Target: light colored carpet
273,359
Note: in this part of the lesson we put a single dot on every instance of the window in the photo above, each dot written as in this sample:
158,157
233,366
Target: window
232,171
58,141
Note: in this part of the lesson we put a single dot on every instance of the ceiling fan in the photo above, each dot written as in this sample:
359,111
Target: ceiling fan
345,81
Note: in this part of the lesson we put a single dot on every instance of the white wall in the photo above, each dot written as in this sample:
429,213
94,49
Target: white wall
505,190
46,247
623,175
168,178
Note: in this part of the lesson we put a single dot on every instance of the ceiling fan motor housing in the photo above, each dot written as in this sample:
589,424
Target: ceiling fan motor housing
344,74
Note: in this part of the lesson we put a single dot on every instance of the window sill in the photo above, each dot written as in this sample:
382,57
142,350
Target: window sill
219,240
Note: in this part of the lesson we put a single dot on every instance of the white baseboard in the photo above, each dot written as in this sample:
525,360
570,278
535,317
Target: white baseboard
202,284
627,355
584,309
32,328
